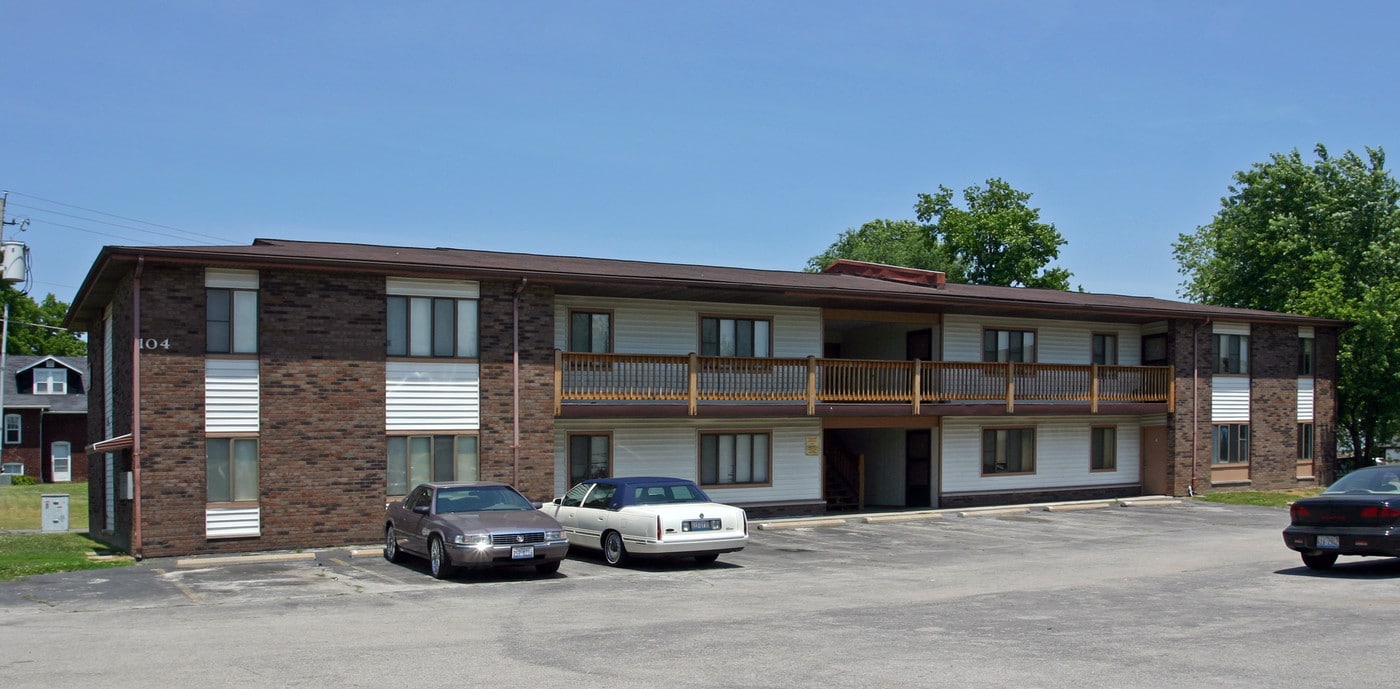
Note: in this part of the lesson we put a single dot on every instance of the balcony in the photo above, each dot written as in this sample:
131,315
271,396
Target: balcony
696,379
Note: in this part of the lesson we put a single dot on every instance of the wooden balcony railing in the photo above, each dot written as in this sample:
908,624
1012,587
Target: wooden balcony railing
694,379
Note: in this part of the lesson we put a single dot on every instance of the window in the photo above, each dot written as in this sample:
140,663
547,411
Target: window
1154,350
1306,359
1231,444
232,322
419,459
1231,354
1103,452
231,466
590,456
50,381
574,497
1105,349
432,326
590,332
62,454
600,497
13,426
1008,451
735,337
1008,346
734,458
1305,441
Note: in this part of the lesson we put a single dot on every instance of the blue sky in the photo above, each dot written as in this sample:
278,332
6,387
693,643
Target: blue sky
727,133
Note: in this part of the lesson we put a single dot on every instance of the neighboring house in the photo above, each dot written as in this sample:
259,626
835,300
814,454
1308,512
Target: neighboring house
45,417
286,390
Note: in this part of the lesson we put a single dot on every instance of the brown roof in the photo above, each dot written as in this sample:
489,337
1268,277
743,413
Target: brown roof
621,278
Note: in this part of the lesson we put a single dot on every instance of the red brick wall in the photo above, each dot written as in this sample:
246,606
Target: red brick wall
536,460
98,480
1273,406
1325,405
1193,403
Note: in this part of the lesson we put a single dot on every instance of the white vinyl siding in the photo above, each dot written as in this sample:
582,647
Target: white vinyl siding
664,447
232,522
1056,341
416,287
1229,399
1062,448
231,395
645,326
428,396
1305,399
1230,329
228,278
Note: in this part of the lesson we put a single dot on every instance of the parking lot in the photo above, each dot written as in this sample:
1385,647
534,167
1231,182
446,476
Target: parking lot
1189,595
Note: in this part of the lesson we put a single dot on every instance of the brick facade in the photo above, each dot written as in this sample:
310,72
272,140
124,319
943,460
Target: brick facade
1188,437
535,477
1273,405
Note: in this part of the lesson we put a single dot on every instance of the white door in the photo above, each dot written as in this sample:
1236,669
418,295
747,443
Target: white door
62,465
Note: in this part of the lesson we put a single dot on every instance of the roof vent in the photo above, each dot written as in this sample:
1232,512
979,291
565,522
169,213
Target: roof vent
910,276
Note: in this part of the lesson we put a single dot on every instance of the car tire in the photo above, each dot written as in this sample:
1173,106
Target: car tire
438,562
391,546
707,559
614,552
1319,560
548,567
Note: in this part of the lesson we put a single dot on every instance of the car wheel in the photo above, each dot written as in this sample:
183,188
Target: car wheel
613,550
391,546
1319,560
707,559
438,562
548,567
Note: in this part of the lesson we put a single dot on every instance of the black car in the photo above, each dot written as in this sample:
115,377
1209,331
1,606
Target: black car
1357,515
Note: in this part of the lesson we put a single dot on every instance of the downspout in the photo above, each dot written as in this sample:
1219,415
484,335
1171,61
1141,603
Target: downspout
136,409
515,381
1195,401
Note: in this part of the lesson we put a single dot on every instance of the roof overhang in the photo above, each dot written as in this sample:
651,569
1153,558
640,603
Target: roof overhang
121,442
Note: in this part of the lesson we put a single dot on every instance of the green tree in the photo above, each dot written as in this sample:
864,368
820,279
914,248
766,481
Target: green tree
35,328
997,240
1319,238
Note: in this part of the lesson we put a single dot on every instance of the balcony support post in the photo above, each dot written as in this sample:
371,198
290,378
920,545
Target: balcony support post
918,383
812,386
1094,388
694,383
1011,387
558,382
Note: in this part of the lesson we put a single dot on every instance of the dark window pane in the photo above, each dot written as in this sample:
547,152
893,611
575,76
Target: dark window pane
444,327
444,458
743,338
397,326
579,333
709,337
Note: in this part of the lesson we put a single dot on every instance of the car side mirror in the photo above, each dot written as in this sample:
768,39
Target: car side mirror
420,509
557,501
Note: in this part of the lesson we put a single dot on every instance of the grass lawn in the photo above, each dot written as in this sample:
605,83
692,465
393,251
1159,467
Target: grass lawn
20,506
1265,498
23,555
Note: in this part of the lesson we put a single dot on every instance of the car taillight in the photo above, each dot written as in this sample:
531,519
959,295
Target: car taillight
1380,512
1297,511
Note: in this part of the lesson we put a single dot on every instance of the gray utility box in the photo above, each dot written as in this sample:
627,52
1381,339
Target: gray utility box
55,512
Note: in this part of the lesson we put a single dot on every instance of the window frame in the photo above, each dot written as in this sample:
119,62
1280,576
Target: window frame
459,349
14,432
718,349
1225,365
1107,462
982,465
605,436
1094,352
1307,357
433,459
1307,440
56,374
1154,350
1237,444
236,326
719,434
591,314
995,354
234,473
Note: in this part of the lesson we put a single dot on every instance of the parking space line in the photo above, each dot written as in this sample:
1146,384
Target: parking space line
194,597
370,572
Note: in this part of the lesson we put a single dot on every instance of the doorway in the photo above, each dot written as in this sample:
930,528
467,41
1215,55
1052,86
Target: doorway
1154,461
918,468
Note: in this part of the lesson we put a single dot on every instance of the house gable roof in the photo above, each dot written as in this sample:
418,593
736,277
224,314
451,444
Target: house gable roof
71,403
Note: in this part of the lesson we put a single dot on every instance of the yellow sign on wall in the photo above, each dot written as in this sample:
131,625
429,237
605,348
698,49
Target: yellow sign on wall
814,445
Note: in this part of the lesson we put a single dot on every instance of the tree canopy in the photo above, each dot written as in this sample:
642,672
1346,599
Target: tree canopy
1319,238
35,328
996,240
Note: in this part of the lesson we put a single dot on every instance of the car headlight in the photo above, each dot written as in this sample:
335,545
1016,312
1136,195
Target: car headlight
472,539
554,535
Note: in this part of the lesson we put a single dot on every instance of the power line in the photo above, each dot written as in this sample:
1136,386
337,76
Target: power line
103,222
120,217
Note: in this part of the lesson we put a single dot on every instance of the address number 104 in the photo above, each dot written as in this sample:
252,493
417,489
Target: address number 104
153,343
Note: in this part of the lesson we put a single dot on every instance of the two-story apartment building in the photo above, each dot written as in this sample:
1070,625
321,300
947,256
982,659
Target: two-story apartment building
276,395
45,417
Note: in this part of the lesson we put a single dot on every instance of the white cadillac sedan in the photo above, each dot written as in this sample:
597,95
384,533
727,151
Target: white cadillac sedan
648,517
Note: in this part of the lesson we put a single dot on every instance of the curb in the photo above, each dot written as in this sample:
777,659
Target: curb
998,512
1078,507
896,518
800,524
243,559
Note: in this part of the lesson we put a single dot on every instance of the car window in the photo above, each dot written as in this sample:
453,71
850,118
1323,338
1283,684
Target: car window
598,499
420,498
688,494
1369,481
574,497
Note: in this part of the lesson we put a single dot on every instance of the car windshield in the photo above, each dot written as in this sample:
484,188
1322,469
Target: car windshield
1369,481
480,499
660,495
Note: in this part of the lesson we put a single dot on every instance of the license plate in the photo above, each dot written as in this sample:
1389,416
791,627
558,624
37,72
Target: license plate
1328,542
700,525
522,552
